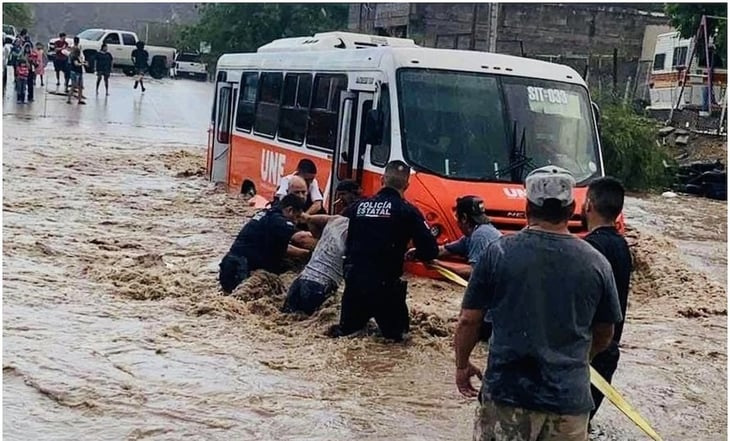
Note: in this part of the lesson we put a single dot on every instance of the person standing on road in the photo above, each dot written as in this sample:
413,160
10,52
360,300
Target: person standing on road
77,76
21,79
33,62
7,49
323,273
104,62
22,38
604,203
60,60
140,59
554,304
262,243
84,64
379,231
42,62
307,170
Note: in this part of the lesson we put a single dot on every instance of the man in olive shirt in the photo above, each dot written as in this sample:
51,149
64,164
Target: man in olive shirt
553,302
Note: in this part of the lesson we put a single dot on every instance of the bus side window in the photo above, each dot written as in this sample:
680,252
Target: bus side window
268,104
379,154
247,101
295,107
323,115
224,110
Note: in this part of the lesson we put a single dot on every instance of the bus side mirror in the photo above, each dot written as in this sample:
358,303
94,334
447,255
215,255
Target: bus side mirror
597,115
374,127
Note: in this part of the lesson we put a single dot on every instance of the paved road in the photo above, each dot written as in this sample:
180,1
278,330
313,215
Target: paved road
167,104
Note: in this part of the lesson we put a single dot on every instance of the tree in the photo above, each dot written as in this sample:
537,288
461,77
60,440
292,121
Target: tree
686,17
19,15
243,27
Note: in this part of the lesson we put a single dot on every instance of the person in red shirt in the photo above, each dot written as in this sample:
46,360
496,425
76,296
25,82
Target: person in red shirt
33,63
21,79
42,62
60,61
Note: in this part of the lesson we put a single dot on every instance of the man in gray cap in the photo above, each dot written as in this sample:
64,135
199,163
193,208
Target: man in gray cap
554,303
478,233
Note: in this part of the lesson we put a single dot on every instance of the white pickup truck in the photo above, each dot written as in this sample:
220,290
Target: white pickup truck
121,44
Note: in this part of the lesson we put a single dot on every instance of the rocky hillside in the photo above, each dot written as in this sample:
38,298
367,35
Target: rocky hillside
52,18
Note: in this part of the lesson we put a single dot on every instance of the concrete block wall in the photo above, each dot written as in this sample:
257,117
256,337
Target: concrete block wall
563,33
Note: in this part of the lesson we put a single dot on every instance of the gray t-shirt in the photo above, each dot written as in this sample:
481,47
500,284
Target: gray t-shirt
473,246
325,265
545,291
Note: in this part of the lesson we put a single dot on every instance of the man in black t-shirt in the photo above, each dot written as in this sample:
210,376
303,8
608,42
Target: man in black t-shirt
104,62
603,204
140,58
262,243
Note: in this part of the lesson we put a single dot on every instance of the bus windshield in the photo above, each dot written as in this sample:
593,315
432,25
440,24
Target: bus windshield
462,125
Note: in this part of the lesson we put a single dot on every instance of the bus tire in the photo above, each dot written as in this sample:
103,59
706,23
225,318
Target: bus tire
90,56
158,67
248,188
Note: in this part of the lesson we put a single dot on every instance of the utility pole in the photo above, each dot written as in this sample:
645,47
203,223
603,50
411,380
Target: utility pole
493,28
474,16
359,20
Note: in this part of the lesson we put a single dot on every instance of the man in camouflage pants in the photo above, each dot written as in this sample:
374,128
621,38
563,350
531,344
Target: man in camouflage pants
554,303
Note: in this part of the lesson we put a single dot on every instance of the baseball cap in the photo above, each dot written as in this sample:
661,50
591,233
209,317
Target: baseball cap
550,182
471,206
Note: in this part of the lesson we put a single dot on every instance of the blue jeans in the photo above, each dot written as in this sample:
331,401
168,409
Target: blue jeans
307,296
20,86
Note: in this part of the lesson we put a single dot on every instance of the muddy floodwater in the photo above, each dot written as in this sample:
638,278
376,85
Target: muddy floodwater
113,327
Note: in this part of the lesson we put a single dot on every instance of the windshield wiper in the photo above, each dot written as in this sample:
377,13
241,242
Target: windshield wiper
518,158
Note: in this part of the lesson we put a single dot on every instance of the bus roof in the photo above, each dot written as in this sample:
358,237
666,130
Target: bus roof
414,57
334,40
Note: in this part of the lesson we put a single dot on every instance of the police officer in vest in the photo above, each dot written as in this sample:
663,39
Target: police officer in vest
379,232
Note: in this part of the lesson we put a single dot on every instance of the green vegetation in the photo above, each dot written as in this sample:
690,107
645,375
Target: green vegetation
685,17
243,27
631,152
19,15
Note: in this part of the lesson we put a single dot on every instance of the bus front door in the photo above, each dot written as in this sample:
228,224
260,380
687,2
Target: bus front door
226,95
349,155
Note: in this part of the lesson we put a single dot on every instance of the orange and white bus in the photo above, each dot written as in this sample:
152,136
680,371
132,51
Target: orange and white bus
468,123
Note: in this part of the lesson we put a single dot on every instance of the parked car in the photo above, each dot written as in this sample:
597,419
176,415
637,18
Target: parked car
9,30
120,45
189,64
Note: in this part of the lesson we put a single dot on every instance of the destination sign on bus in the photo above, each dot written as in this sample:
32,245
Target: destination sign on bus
554,102
553,96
